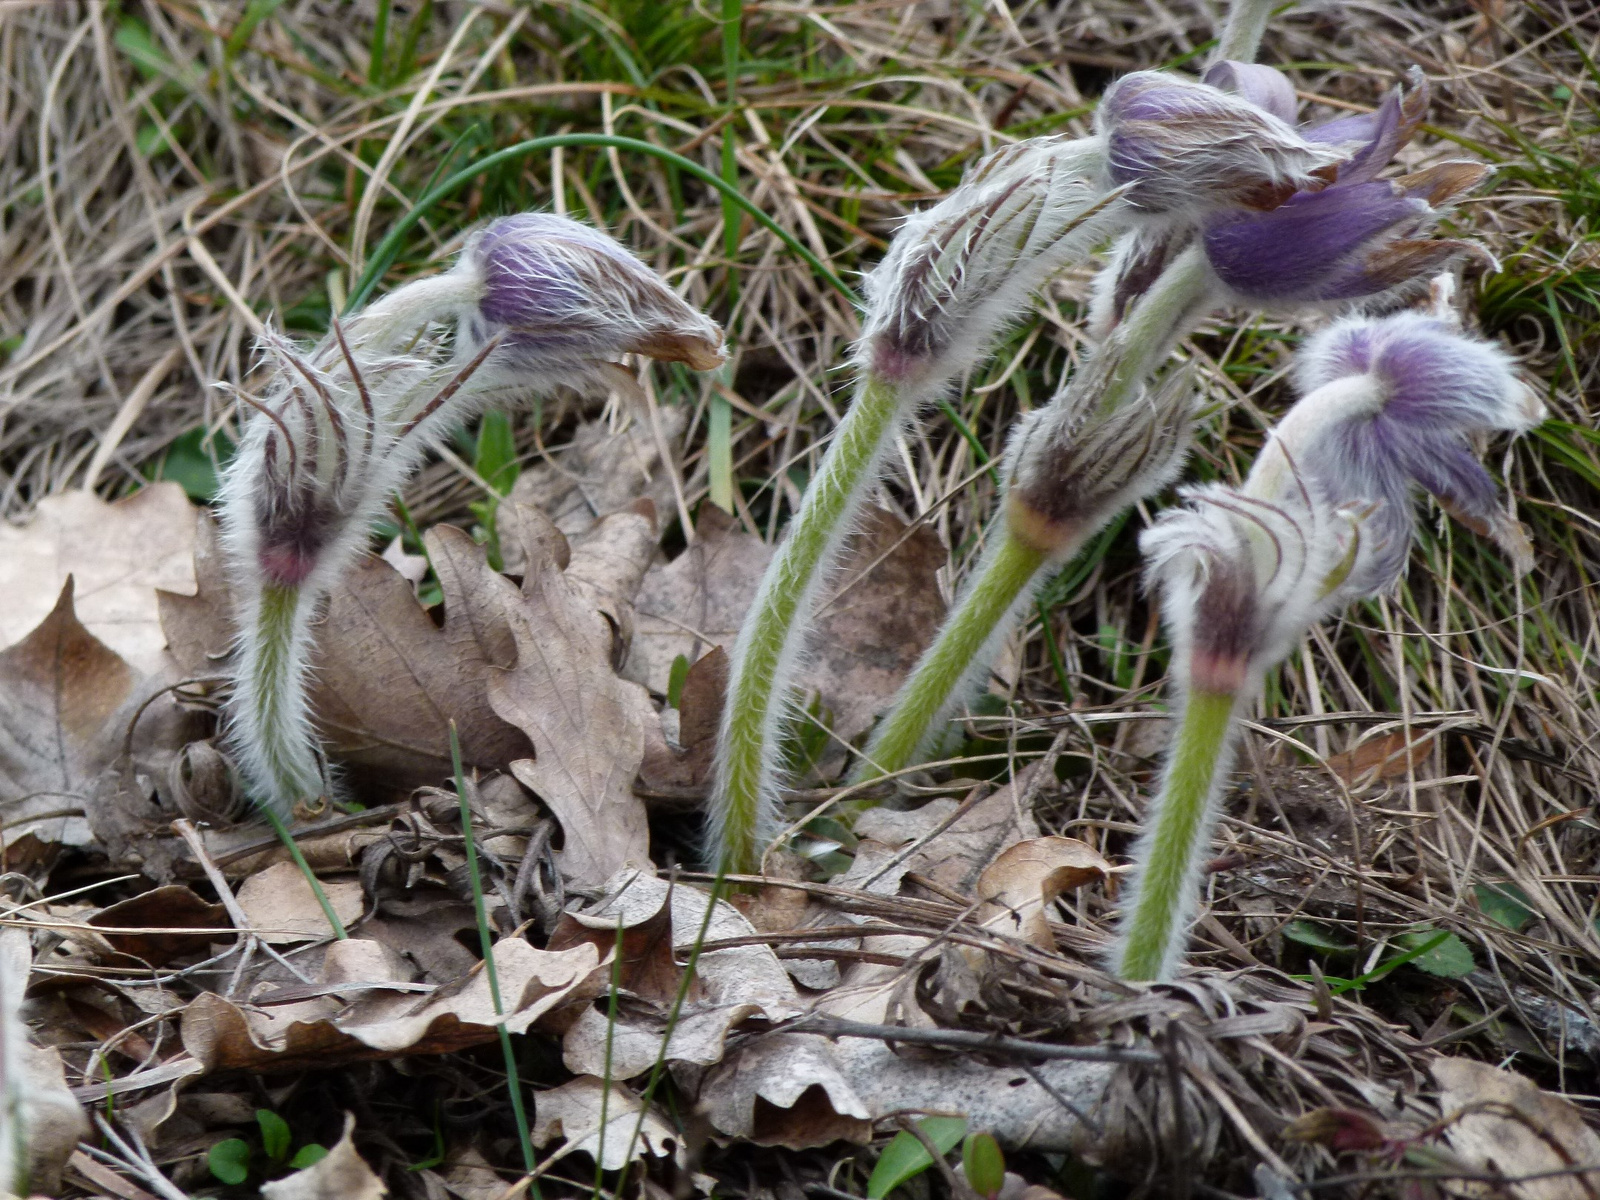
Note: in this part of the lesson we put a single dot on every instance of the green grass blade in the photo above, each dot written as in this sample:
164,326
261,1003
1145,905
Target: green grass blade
475,878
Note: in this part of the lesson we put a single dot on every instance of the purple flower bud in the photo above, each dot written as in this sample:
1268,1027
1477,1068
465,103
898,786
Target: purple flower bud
1343,243
1379,134
564,291
1184,146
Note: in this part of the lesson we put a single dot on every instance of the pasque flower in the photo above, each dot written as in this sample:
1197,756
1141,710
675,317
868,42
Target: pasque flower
1325,517
1345,235
536,302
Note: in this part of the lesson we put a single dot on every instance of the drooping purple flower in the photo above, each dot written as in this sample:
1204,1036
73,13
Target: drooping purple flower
1355,238
1394,405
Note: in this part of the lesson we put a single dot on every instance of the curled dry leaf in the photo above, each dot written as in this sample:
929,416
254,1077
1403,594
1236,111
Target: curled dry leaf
174,906
118,553
66,700
341,1175
681,771
572,1112
1019,886
365,1005
282,908
1506,1126
586,725
812,1091
732,984
601,471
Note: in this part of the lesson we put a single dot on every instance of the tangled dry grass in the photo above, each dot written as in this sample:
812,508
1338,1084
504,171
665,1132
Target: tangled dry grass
176,172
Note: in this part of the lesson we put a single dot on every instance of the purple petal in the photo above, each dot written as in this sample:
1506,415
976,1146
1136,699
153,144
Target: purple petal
1379,134
1301,250
1265,87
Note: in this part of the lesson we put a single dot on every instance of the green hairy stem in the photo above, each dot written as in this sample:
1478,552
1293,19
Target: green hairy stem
1007,572
291,770
745,792
1168,310
1152,938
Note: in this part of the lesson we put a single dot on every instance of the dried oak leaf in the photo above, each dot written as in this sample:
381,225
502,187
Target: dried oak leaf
66,700
733,984
282,908
119,554
601,471
173,907
341,1174
366,1006
573,1112
388,681
1507,1126
1019,886
587,726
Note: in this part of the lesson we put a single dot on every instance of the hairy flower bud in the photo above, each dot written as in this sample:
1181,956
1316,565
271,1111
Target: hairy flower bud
956,273
565,299
538,302
1186,147
1072,464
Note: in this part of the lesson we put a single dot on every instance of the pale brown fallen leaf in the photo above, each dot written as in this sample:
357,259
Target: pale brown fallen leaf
366,1005
282,907
608,562
733,984
571,1112
388,681
1378,759
941,842
118,553
587,726
341,1175
695,603
54,1121
1019,886
601,471
802,1090
65,703
1509,1127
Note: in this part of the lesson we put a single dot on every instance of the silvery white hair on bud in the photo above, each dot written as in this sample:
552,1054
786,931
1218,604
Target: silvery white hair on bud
958,272
1242,578
1071,462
